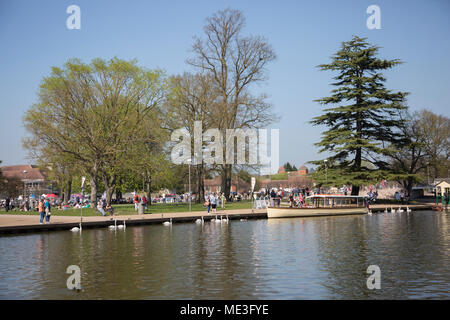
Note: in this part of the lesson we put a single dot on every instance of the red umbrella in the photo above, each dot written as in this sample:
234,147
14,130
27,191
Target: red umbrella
51,195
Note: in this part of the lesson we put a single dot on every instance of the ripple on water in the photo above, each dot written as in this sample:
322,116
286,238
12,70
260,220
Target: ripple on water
301,258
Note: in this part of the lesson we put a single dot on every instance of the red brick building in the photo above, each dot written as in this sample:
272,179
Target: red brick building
34,179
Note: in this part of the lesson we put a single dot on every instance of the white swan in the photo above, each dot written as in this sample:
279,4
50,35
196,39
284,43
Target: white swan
386,210
122,226
392,210
369,213
113,227
400,210
408,209
76,229
167,223
243,219
226,220
199,221
217,220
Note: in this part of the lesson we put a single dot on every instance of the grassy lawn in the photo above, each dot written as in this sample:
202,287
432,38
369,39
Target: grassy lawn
128,209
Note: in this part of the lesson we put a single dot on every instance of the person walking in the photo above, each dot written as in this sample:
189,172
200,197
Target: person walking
47,208
41,211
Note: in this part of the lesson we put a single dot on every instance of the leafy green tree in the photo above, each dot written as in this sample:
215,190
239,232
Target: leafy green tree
360,117
288,167
91,114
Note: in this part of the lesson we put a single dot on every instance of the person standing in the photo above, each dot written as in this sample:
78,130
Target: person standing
7,204
291,200
144,202
273,195
208,204
447,198
41,211
47,208
300,200
213,201
136,202
222,200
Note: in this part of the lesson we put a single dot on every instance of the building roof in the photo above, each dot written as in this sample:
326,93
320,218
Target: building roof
440,180
33,173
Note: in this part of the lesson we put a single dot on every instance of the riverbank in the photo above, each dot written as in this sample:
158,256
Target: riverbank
24,223
17,223
128,209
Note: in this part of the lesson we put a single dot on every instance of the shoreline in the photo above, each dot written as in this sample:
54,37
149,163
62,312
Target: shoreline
16,223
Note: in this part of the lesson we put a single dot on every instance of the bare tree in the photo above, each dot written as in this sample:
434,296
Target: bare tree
192,98
235,63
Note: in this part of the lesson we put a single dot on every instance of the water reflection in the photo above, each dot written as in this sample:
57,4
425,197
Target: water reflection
301,258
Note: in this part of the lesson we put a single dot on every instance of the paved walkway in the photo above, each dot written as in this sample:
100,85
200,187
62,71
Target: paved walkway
10,223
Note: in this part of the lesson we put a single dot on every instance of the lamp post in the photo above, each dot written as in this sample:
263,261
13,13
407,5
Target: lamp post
24,188
189,164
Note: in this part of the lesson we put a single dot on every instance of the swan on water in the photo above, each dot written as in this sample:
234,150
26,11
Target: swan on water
386,210
167,223
369,213
76,229
408,209
400,210
198,221
392,210
217,220
122,226
113,227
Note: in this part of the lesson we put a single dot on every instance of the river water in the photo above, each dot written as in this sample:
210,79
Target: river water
298,258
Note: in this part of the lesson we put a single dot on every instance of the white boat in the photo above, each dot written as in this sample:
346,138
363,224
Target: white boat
322,205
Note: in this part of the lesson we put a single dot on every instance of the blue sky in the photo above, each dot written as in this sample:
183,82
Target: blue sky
159,34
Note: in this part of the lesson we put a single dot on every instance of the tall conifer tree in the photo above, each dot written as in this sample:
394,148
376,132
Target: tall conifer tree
361,117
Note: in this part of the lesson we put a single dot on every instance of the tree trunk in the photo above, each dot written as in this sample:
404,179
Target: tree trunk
118,194
93,181
200,184
109,194
226,180
67,191
149,191
110,185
